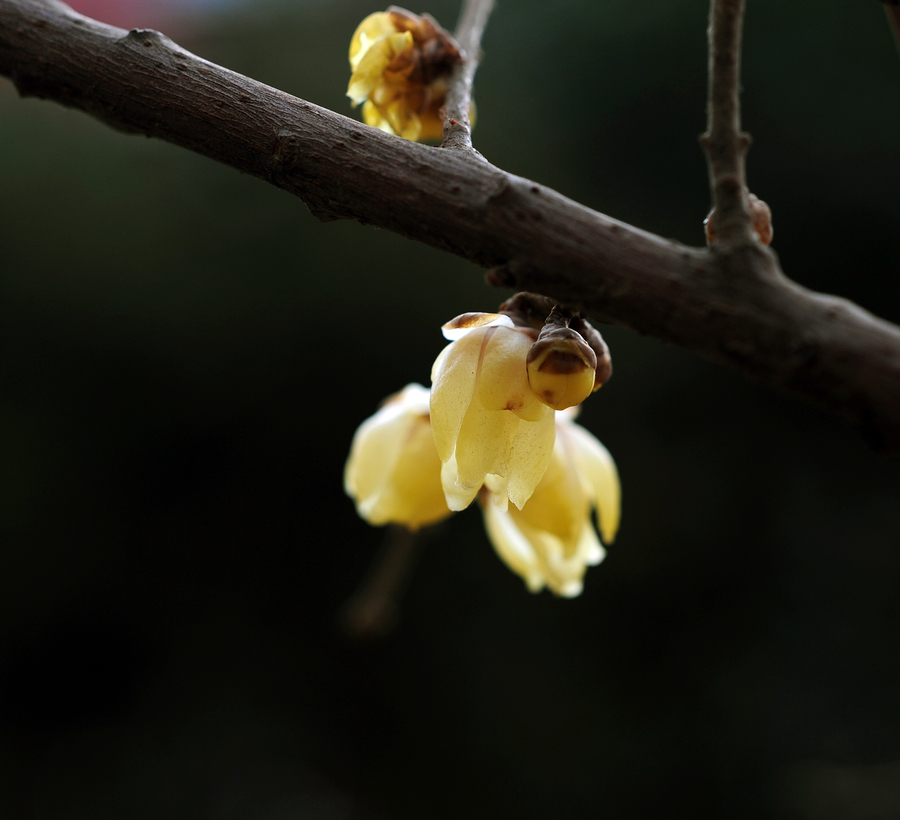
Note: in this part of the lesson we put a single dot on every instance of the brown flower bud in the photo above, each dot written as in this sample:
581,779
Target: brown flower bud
561,364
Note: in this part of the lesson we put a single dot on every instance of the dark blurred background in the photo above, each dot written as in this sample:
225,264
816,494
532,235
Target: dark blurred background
185,353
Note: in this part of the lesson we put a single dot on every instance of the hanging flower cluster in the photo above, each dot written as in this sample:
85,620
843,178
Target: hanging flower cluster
401,63
497,426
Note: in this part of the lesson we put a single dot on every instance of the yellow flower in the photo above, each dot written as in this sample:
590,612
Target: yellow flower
551,540
393,472
401,63
486,419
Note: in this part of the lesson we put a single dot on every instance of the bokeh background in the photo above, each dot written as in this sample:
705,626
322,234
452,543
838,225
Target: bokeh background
185,353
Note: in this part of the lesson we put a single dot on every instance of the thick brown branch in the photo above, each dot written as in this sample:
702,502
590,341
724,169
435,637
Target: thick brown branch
734,308
472,20
724,142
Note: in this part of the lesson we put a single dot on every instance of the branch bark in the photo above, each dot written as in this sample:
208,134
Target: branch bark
472,20
735,308
724,142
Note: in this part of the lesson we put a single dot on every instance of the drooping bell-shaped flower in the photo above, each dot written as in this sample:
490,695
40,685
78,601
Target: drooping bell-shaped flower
487,421
393,472
551,541
401,63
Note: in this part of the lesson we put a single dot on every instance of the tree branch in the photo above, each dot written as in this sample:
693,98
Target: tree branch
735,308
724,142
472,20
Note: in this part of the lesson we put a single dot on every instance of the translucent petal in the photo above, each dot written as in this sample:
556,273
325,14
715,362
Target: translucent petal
393,472
530,456
503,380
454,385
483,445
461,325
439,362
562,564
560,504
457,498
512,547
499,487
598,471
551,541
415,494
374,451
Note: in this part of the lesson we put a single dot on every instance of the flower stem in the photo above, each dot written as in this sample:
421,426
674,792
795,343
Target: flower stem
373,610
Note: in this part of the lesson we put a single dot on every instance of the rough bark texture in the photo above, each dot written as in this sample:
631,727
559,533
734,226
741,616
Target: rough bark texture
732,306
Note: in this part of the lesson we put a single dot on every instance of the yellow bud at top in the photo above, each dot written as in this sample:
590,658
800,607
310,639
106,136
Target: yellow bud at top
401,63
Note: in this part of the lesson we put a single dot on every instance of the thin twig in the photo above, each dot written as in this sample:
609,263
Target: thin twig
472,20
373,610
724,142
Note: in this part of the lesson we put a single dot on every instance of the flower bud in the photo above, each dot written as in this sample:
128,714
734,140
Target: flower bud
561,368
401,63
562,365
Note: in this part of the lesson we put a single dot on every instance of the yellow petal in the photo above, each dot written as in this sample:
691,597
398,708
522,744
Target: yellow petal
539,557
372,116
483,445
529,456
551,541
456,496
503,380
453,387
560,503
375,27
598,471
513,547
393,472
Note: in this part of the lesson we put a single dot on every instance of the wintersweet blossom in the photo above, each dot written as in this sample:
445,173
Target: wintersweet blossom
393,472
551,541
487,421
401,63
493,427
